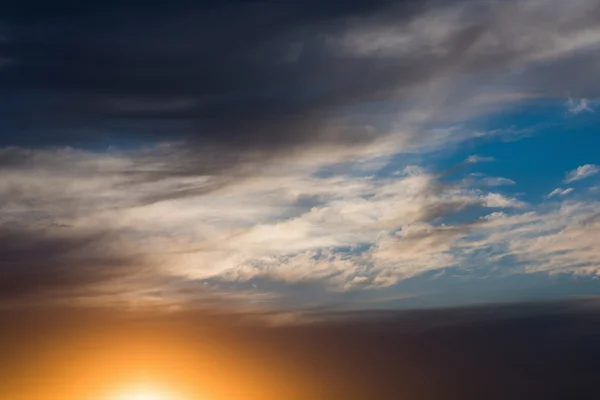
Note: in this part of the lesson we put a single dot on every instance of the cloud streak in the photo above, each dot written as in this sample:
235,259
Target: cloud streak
560,192
284,226
577,107
43,264
581,172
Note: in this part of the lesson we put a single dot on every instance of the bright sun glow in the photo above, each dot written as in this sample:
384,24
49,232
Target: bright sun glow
144,393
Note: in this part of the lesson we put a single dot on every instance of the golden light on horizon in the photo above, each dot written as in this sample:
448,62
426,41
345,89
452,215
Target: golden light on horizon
144,392
109,357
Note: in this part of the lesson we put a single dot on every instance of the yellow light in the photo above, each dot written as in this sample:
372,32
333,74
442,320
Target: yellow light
144,392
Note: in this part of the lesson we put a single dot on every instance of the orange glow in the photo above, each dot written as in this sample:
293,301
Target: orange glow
143,392
122,365
89,358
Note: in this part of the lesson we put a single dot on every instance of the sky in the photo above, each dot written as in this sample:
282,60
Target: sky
297,156
299,199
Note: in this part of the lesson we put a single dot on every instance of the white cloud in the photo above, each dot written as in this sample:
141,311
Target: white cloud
528,32
560,192
416,248
284,224
581,172
498,200
578,106
557,240
497,181
287,226
474,159
536,30
562,239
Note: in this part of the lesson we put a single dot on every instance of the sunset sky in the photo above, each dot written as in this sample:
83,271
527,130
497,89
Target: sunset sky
293,161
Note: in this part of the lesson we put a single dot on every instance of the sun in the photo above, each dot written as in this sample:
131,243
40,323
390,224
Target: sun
144,392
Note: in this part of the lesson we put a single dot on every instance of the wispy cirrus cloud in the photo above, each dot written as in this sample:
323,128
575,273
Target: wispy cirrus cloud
560,192
578,106
284,226
497,181
581,172
474,159
555,241
257,240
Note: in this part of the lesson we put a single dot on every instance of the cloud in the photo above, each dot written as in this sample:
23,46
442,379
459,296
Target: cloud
550,240
558,241
582,172
77,226
50,264
498,200
497,181
577,107
286,225
417,248
278,86
474,159
560,192
250,156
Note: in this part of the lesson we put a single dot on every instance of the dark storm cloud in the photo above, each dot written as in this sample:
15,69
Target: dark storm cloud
216,74
40,264
233,77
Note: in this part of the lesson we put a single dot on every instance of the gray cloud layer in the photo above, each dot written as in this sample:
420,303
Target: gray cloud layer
40,264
